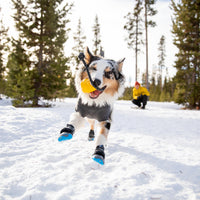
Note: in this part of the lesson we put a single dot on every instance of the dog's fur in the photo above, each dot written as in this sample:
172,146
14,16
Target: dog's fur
98,106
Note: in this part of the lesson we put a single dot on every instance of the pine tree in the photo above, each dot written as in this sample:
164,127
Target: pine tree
154,88
186,31
3,48
149,12
134,29
97,37
42,27
161,57
18,77
79,41
165,93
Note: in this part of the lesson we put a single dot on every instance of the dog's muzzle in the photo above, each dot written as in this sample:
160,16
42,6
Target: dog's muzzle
88,88
95,94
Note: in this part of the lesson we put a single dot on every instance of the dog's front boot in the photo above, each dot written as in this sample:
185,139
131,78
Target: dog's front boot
66,133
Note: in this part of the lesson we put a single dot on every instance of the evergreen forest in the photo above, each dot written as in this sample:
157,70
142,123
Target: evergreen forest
34,66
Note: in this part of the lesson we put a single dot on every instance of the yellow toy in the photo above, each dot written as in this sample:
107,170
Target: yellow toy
86,86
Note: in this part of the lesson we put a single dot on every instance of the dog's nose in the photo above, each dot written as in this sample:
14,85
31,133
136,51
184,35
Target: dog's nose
97,82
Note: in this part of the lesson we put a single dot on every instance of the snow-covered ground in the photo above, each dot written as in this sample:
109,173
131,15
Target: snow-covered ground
152,154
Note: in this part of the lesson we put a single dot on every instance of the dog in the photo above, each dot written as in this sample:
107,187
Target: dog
96,105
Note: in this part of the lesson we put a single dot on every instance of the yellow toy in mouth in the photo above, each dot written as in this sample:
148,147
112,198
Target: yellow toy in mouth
86,86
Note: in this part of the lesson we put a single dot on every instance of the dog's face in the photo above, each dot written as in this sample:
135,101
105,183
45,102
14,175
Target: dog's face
106,75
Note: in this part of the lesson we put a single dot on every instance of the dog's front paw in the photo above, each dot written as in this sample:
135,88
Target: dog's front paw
66,133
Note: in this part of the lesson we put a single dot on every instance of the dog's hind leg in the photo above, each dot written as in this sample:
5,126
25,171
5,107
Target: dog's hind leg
99,155
75,123
91,134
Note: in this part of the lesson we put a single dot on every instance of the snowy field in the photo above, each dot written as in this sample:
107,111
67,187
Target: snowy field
152,154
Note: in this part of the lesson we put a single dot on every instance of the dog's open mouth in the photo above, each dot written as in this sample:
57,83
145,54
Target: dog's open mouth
95,94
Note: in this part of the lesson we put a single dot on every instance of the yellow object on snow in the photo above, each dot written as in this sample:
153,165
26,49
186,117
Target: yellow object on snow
86,86
140,91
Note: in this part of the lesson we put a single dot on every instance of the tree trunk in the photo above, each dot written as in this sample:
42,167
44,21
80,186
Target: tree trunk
39,66
136,49
146,31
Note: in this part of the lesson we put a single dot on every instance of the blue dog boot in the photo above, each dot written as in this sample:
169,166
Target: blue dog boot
66,133
99,155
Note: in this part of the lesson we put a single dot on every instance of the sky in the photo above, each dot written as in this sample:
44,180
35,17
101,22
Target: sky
111,19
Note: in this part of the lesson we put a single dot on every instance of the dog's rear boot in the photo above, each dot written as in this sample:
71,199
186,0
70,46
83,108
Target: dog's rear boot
99,155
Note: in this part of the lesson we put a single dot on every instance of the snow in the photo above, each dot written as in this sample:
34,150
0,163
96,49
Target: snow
152,154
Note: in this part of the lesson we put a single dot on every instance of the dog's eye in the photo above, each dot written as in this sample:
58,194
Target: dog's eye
109,74
93,68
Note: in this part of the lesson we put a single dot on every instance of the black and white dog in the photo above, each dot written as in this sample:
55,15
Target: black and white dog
96,105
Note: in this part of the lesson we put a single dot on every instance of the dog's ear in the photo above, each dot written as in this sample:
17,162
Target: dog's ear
88,55
120,64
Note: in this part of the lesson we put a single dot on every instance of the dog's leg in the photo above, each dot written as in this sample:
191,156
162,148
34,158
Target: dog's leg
99,155
75,123
91,134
